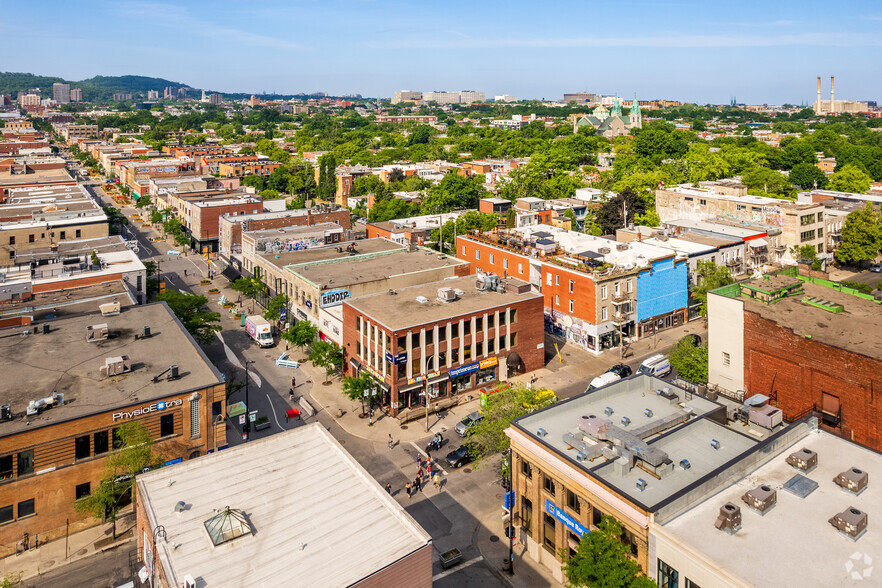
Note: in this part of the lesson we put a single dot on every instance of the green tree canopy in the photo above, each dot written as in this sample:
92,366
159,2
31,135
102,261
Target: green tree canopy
328,355
690,361
601,560
861,236
192,311
355,387
807,175
710,277
274,307
850,178
300,335
611,215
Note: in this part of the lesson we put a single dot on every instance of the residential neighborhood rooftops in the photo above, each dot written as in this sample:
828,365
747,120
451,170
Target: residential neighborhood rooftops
294,259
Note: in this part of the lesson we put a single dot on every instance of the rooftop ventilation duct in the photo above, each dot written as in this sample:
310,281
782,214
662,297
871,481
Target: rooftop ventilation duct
804,460
608,411
761,499
715,444
729,519
851,522
641,484
853,480
625,421
684,463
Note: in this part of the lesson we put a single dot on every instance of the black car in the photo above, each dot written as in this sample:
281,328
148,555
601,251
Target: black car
621,370
458,457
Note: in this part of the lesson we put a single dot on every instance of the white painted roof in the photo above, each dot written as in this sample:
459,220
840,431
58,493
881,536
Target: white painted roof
317,517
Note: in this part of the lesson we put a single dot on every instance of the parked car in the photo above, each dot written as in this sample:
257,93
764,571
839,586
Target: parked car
657,365
463,427
604,379
458,457
876,267
694,339
621,370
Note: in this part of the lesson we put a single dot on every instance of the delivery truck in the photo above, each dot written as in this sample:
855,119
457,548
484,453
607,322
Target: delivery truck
260,330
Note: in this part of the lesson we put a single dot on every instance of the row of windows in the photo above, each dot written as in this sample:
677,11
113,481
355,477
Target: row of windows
33,237
493,260
668,577
442,330
810,235
25,509
455,357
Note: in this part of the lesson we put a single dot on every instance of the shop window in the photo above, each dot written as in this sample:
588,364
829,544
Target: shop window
573,502
81,447
26,508
83,490
5,514
668,577
486,375
549,529
548,485
102,441
26,462
527,516
166,425
527,469
5,467
461,384
194,454
194,418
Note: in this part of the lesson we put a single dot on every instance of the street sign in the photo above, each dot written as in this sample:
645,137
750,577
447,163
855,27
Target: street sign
252,416
241,419
283,314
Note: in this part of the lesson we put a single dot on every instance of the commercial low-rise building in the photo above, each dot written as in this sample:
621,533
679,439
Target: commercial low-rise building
76,381
252,529
444,338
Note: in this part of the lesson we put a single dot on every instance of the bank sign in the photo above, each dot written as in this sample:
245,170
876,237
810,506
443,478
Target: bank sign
155,407
334,298
563,517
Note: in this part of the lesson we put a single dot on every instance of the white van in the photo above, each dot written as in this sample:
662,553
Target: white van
657,365
603,380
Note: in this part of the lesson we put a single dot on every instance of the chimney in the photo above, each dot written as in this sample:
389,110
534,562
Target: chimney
819,93
832,94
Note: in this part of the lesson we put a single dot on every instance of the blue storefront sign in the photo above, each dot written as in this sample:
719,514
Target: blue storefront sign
563,517
334,298
283,314
397,359
466,369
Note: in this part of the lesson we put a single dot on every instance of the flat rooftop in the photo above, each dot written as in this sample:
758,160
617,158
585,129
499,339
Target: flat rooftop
63,361
293,260
718,228
793,544
316,517
404,310
370,268
856,328
633,253
688,438
707,239
69,301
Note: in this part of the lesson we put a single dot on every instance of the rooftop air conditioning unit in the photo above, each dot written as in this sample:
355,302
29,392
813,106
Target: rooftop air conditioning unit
761,499
851,522
114,366
729,519
98,332
604,250
622,247
804,460
853,480
684,463
608,410
715,444
422,299
446,294
541,432
648,412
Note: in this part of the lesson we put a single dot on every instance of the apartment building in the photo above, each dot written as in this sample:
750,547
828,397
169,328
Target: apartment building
406,96
61,93
73,133
136,175
240,169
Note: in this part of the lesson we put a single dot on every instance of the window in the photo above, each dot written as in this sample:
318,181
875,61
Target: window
557,300
513,339
603,313
78,234
194,417
527,469
477,254
513,316
820,247
491,321
12,242
479,323
442,333
573,502
402,344
26,462
808,219
505,263
358,323
467,328
430,336
102,441
667,576
83,490
31,238
820,218
596,517
572,284
26,508
526,516
807,235
691,584
81,447
5,514
548,485
702,202
166,425
492,259
557,280
5,467
820,232
549,528
216,409
548,279
463,249
725,359
454,330
603,292
571,306
63,234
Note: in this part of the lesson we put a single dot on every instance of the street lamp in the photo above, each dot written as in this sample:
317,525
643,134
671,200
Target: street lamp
246,428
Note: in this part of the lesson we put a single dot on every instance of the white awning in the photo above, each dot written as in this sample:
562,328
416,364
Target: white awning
758,243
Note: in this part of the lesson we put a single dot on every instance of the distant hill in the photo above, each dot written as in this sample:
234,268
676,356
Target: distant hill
96,88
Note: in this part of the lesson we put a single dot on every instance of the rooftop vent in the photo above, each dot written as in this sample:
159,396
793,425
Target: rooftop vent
804,460
621,246
641,484
851,522
37,406
852,480
580,457
648,412
800,486
98,332
227,525
109,309
446,294
625,421
761,499
715,444
114,366
608,411
422,299
684,463
729,519
541,432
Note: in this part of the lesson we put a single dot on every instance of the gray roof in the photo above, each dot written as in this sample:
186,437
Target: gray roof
317,518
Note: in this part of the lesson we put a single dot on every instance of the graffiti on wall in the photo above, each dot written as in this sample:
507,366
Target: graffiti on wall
272,246
567,327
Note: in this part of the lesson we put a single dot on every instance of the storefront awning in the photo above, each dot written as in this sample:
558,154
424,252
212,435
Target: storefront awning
513,360
757,243
354,364
438,379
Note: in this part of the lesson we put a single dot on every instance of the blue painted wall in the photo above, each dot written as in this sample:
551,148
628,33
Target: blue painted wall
662,290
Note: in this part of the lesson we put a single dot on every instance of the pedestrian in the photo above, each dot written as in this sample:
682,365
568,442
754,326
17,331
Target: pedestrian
291,394
419,483
185,273
294,382
420,473
407,489
429,469
437,481
389,489
419,459
390,440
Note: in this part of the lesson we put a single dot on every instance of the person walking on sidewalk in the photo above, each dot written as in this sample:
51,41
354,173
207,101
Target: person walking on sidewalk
436,480
418,484
390,441
293,382
429,468
407,489
389,489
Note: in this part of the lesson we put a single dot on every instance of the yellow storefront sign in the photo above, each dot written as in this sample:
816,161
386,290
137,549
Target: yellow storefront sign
493,361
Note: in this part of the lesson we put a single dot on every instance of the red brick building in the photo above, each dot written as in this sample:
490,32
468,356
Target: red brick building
448,337
398,232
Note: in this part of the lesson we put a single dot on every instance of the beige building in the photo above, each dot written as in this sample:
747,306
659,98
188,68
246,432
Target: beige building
406,96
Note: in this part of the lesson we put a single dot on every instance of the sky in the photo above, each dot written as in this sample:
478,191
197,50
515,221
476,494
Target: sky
703,51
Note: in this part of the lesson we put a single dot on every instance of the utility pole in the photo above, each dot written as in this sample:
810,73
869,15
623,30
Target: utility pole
426,389
511,512
246,428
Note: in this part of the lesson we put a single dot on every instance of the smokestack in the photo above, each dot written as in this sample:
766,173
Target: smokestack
832,94
819,93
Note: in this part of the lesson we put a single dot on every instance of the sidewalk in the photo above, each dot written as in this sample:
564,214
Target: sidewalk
528,573
80,545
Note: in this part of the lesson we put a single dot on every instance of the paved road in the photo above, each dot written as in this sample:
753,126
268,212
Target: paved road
104,570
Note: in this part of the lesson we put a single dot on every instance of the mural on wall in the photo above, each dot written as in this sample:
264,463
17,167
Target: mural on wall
272,246
567,327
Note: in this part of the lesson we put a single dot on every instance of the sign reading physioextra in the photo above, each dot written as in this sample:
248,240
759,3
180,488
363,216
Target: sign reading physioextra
563,517
334,297
155,407
466,369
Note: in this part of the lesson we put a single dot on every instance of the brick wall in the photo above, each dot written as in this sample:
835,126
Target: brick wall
797,371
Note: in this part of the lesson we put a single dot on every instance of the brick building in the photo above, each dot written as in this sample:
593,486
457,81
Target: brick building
448,337
74,386
200,214
241,169
807,344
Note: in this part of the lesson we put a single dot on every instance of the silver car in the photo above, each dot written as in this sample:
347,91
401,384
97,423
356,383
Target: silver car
463,427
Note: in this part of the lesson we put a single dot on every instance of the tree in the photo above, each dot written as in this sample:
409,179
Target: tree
509,402
356,387
275,306
301,334
143,202
611,215
861,236
249,287
601,560
762,181
690,361
510,218
136,453
808,254
806,175
710,277
327,184
193,313
327,355
850,178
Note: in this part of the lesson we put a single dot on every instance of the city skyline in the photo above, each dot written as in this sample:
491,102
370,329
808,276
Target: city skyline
685,50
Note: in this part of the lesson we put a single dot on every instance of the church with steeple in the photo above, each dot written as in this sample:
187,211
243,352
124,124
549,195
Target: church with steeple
611,123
